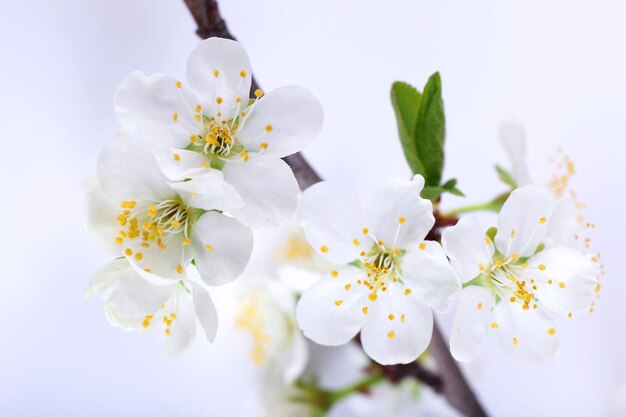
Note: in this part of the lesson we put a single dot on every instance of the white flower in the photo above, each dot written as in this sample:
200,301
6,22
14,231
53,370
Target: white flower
132,303
390,274
406,399
328,369
296,264
214,127
514,280
160,226
267,313
513,137
279,399
568,226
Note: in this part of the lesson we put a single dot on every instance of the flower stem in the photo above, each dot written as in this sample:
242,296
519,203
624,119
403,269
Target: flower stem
494,205
359,386
489,206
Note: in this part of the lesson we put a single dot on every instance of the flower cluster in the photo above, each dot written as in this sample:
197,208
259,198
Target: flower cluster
196,166
512,276
190,171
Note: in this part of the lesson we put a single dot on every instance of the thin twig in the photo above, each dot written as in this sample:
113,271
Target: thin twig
451,382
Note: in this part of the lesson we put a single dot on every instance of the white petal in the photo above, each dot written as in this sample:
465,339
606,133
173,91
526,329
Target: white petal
123,322
397,215
336,367
430,276
183,329
297,360
528,335
286,119
227,59
465,244
157,100
119,285
222,247
333,221
128,170
159,265
564,224
471,322
205,310
180,164
329,314
572,276
398,327
513,137
101,220
268,188
523,221
209,191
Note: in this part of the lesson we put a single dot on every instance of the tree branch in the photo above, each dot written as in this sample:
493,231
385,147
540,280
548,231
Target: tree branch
451,382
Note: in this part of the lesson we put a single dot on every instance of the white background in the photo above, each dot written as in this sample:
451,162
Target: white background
558,66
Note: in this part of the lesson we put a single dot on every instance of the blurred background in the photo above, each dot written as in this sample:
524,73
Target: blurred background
557,66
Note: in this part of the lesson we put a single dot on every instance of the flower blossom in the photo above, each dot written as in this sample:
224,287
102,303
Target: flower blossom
132,303
390,276
569,226
267,313
160,226
213,127
514,281
408,398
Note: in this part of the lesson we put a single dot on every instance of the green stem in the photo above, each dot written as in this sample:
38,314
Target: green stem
365,383
494,205
489,206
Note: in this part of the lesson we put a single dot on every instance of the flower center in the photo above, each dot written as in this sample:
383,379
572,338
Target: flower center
251,319
382,268
150,224
219,140
509,280
166,314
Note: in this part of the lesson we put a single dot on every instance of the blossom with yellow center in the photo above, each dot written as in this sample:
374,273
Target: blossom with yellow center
267,314
213,126
513,281
160,226
390,276
132,303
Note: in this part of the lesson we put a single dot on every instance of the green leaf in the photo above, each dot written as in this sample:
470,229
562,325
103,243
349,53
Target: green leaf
406,100
430,130
450,186
433,192
506,177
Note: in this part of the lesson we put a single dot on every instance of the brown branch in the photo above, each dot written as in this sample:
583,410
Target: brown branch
456,389
396,373
451,383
